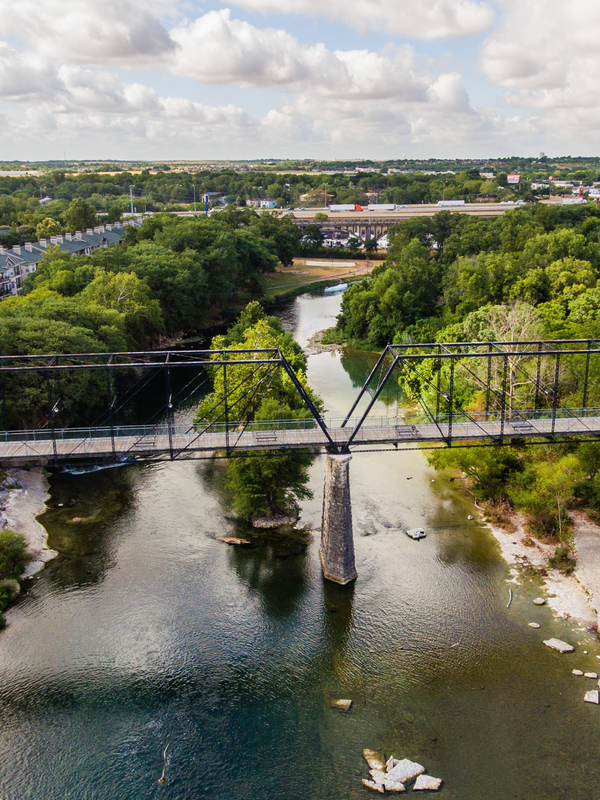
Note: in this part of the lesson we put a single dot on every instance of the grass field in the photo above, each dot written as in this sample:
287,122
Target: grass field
285,279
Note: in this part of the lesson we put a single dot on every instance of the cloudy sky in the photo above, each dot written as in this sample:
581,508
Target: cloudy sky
298,78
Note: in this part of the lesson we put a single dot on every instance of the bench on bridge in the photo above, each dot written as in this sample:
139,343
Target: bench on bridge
521,425
265,438
406,432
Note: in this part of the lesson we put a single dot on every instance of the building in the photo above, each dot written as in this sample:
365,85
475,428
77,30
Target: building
19,261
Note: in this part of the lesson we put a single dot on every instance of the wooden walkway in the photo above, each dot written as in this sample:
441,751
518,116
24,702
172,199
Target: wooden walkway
99,445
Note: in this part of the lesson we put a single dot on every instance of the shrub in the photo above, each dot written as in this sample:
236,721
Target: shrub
563,560
13,554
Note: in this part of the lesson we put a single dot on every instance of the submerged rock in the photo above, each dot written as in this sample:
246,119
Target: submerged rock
374,786
425,783
539,601
374,759
405,771
592,697
233,540
557,644
342,705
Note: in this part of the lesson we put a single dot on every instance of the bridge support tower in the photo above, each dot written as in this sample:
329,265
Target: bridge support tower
337,541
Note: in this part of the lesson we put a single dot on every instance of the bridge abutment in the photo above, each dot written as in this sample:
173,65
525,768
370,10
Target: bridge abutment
337,541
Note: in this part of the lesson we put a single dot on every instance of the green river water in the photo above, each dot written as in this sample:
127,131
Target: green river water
146,630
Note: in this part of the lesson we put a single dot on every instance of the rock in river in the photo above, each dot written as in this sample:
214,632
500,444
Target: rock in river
539,601
425,783
374,759
592,697
378,776
534,624
593,675
577,672
391,763
394,786
405,771
374,786
342,705
556,644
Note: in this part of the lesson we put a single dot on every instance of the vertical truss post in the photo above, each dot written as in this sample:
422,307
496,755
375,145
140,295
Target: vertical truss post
439,386
587,375
226,401
503,400
538,378
489,383
51,414
555,397
3,396
111,402
169,390
451,400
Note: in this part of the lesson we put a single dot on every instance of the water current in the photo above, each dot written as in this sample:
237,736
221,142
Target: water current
147,631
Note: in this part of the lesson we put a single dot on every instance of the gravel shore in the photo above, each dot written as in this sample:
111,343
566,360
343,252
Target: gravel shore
575,596
20,509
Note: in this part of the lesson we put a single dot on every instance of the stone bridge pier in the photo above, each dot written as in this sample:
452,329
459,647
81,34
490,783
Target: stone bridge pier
337,541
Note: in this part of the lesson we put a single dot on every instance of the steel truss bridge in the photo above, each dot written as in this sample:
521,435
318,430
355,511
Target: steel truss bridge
535,392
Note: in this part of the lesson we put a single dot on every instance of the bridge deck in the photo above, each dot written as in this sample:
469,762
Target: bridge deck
98,444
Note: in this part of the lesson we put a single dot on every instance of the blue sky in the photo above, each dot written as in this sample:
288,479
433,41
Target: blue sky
337,79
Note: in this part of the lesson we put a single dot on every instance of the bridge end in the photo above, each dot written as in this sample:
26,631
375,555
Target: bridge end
337,540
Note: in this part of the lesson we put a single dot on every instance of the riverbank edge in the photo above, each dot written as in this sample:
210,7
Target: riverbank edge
22,507
575,596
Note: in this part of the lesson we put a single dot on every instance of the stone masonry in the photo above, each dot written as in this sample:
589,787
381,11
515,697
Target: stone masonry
337,542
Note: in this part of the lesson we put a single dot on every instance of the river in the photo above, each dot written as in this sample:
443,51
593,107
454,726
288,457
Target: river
146,630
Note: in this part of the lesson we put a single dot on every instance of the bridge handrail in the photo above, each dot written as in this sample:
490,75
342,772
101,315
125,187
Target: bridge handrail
404,420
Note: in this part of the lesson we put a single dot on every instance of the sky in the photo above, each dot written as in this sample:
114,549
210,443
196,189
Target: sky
326,79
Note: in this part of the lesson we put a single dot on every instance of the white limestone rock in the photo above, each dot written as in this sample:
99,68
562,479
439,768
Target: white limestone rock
539,601
394,786
374,759
592,697
577,672
374,786
557,644
425,783
405,771
342,705
378,776
593,675
534,624
391,763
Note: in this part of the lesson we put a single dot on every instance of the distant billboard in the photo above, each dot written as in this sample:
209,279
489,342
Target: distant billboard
513,179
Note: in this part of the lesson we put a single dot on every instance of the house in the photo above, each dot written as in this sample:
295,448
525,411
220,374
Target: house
19,261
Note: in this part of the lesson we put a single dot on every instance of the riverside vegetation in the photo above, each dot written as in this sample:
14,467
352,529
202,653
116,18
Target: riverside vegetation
13,558
529,275
268,486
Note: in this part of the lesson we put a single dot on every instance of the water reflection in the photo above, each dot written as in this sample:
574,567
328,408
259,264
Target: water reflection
80,523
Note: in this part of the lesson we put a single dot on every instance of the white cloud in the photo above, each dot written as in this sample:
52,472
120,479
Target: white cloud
89,32
218,49
424,19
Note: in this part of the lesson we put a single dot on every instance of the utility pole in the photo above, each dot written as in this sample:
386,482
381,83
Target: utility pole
131,197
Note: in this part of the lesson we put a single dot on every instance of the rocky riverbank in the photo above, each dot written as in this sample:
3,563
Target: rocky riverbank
23,497
575,596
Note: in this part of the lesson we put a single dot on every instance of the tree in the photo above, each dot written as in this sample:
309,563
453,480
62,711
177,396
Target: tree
270,484
48,227
80,215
